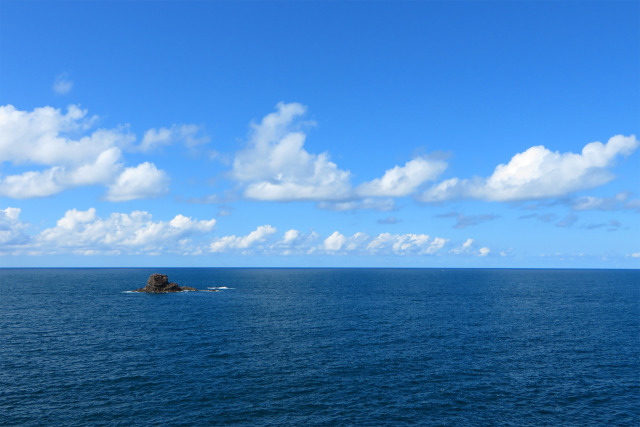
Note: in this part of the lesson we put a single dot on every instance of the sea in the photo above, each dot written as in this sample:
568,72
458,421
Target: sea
298,347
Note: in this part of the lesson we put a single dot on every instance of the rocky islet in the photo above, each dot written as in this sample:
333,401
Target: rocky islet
159,284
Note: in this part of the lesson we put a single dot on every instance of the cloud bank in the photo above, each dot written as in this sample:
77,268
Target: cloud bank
275,166
83,232
63,154
50,151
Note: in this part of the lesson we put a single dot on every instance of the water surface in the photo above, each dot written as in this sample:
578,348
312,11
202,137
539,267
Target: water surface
321,347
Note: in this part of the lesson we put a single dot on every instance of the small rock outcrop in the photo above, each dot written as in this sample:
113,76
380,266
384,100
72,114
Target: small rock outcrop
159,284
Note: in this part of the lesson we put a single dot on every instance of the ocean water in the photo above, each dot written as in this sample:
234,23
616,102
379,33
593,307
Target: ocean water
320,347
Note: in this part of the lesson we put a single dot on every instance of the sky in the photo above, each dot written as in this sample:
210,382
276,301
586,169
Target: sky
424,134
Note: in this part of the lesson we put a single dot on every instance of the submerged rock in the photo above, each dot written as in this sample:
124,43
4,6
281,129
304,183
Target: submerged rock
159,284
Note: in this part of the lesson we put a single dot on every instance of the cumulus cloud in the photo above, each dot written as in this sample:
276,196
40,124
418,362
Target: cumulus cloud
31,184
334,242
40,136
420,244
295,242
242,242
403,180
142,181
539,173
359,243
467,244
12,230
275,166
290,236
448,189
484,251
465,248
62,84
469,248
50,181
64,158
84,232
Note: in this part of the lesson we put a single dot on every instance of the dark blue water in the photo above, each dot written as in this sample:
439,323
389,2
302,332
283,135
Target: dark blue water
321,347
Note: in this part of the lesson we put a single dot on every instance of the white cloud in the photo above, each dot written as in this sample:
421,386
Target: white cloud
421,244
295,242
31,184
42,137
12,230
469,248
137,232
467,244
436,244
154,138
402,181
62,84
275,165
242,242
84,232
334,242
337,242
38,137
635,255
452,188
539,173
11,214
142,181
356,242
290,236
102,170
53,180
74,217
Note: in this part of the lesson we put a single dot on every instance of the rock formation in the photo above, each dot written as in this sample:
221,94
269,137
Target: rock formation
159,284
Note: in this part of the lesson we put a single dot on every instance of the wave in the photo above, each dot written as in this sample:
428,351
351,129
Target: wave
219,288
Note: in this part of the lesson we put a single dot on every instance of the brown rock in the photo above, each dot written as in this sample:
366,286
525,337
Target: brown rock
159,284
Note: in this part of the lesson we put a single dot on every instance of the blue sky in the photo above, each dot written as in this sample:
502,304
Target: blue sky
401,134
